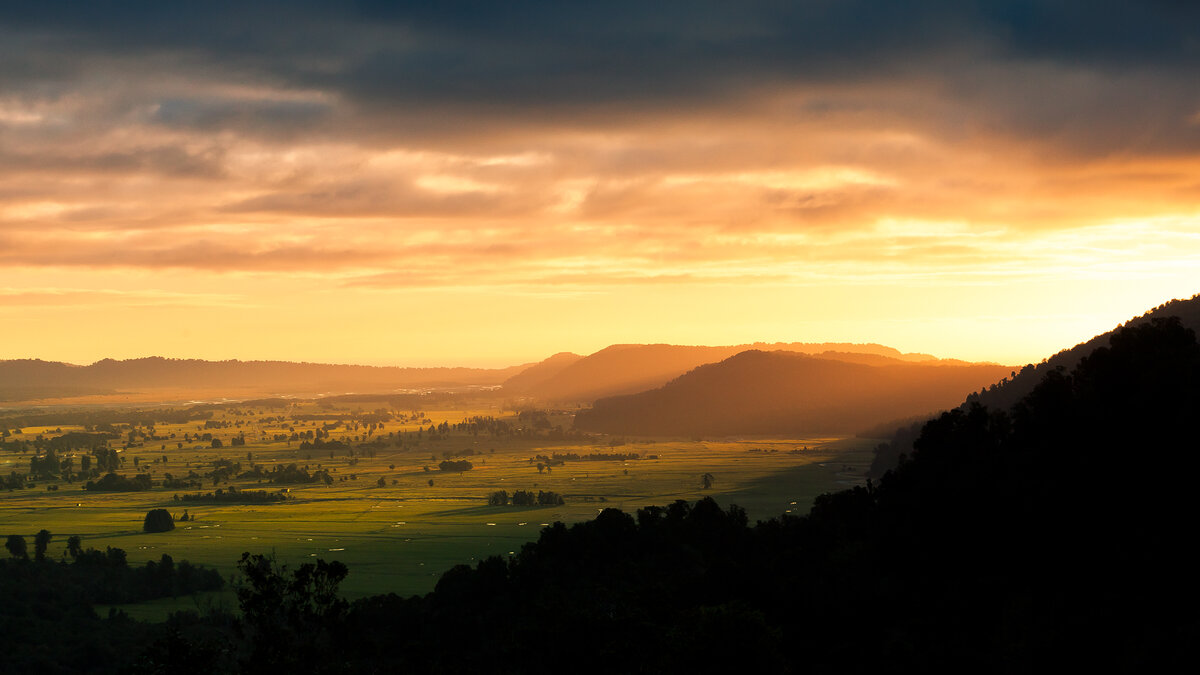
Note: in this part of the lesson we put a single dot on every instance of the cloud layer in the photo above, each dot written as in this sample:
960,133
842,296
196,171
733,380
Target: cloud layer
586,149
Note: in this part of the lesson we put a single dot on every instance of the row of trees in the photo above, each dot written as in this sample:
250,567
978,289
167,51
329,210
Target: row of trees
557,458
223,470
89,575
526,498
234,496
15,544
118,483
456,465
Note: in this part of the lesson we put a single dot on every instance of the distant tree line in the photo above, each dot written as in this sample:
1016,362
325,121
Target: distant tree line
525,498
106,422
93,576
320,444
560,457
282,474
118,483
169,481
234,496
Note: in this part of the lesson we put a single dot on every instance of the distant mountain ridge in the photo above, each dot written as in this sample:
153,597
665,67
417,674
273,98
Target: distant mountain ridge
632,368
27,378
564,378
781,392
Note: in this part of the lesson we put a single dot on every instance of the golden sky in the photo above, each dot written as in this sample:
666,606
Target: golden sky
483,185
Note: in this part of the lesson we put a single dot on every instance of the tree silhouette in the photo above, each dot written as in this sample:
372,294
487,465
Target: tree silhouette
158,520
74,546
41,541
291,619
16,546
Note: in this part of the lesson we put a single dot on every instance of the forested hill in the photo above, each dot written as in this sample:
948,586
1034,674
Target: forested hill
1011,390
1007,392
759,392
631,368
20,378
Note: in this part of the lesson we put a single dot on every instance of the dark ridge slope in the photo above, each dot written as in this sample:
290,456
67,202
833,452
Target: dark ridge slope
1009,391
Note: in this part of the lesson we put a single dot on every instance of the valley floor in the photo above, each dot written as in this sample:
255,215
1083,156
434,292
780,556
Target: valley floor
402,536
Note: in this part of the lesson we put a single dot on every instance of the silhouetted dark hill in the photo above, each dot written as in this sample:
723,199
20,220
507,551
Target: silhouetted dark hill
758,392
1007,392
20,378
627,369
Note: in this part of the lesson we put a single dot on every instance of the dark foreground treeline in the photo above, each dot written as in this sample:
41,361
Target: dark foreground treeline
47,624
93,576
1055,535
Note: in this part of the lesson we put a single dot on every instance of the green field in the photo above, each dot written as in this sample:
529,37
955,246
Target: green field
401,537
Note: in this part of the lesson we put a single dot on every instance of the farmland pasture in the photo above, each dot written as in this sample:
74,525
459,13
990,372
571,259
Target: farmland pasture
401,536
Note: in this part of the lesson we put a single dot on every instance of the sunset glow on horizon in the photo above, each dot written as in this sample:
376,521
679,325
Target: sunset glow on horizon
490,185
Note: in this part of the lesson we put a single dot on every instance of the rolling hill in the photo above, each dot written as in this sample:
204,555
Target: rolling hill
539,373
780,392
632,368
25,379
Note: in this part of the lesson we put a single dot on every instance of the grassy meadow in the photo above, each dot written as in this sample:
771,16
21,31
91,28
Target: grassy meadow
401,536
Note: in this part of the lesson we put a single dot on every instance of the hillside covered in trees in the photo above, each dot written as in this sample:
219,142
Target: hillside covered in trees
1010,390
774,392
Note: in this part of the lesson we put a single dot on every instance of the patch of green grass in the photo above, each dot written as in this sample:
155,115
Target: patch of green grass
402,537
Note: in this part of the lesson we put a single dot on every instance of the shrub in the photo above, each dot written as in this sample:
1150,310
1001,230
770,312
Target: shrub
460,465
158,520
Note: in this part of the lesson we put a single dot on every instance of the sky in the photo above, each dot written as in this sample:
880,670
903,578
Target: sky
475,183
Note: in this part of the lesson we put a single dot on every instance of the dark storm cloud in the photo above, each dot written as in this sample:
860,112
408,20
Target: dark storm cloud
419,64
280,118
